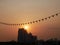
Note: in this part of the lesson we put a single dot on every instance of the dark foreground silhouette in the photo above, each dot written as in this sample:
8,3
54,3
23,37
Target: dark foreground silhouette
25,38
38,42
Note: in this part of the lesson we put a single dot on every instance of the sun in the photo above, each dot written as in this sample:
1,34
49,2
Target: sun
26,27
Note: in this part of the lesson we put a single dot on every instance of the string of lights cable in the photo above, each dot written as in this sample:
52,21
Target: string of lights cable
31,22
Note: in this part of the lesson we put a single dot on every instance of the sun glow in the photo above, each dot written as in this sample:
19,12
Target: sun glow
26,27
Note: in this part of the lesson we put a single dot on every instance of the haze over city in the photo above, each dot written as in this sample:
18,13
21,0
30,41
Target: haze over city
21,11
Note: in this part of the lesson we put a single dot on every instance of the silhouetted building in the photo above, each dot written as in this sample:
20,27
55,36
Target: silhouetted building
24,37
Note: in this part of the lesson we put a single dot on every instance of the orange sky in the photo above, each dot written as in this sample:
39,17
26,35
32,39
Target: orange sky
19,11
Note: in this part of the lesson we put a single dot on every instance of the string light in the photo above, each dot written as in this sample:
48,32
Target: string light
36,21
39,20
53,15
42,19
56,14
45,18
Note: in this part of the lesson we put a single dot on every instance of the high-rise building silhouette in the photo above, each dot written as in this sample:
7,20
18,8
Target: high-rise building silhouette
24,37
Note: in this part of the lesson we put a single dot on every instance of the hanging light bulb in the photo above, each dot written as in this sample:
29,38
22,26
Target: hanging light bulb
39,20
36,21
42,19
45,18
33,21
19,24
30,22
56,14
53,15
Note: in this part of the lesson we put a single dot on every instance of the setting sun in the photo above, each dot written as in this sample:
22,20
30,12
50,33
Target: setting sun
26,27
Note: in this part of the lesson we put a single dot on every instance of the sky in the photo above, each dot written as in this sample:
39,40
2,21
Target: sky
21,11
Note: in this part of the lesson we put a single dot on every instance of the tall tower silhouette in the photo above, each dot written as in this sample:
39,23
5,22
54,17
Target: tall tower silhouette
24,37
